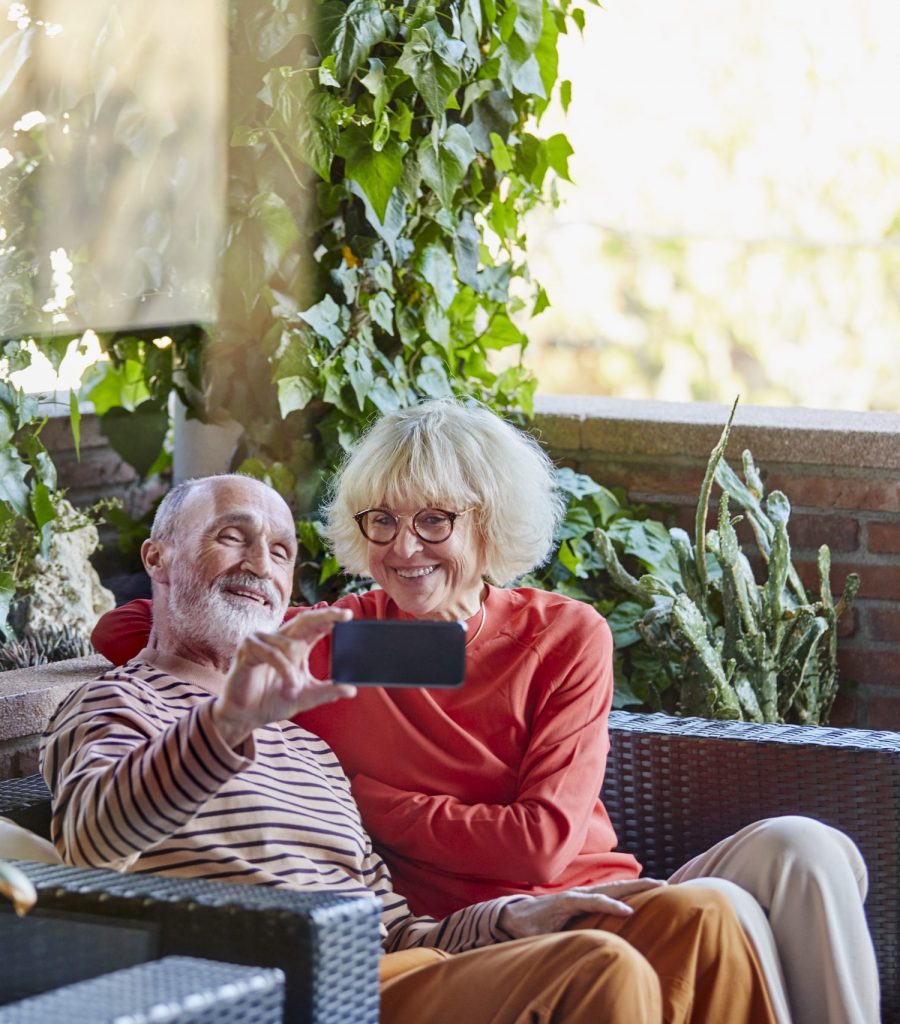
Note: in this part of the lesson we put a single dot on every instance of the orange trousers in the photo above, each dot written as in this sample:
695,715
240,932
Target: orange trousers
680,958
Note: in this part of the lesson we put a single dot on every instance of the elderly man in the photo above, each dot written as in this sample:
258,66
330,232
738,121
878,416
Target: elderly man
184,762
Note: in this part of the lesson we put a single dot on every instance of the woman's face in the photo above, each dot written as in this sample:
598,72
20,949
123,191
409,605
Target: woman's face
431,581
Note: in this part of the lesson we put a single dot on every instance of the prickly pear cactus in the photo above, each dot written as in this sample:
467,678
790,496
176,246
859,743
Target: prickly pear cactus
735,647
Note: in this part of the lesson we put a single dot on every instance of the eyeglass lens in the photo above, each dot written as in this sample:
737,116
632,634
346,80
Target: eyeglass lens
429,524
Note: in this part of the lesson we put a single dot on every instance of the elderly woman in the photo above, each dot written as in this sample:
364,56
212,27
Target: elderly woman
493,788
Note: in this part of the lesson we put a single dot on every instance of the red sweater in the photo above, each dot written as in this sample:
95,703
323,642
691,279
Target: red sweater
486,790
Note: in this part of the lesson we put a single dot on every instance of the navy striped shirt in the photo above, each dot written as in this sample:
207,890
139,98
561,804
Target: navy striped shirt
142,781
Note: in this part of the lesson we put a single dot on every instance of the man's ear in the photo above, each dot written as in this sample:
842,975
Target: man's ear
156,562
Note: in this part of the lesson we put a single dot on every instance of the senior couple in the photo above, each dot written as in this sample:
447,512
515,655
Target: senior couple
211,753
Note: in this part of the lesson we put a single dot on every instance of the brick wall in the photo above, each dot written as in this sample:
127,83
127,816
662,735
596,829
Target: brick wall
841,472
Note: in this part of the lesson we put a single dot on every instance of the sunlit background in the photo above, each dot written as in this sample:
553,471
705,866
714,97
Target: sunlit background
734,222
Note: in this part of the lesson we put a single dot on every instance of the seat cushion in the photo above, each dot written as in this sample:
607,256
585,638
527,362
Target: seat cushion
17,843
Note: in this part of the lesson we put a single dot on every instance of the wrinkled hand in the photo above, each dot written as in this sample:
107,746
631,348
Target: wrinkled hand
538,915
270,678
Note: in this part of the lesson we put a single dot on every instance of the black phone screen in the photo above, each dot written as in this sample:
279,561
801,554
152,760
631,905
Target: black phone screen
387,652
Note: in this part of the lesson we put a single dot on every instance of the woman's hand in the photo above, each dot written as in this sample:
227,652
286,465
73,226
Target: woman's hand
539,915
270,678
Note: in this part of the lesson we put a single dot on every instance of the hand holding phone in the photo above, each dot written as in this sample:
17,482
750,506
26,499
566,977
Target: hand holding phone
399,652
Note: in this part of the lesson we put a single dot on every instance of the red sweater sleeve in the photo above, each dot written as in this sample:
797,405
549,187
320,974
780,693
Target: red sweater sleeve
532,839
122,634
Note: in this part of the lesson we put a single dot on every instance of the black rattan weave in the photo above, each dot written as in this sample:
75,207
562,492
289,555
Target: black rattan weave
328,946
176,990
676,786
27,801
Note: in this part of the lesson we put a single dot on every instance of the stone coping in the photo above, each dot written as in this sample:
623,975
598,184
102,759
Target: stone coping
29,696
816,437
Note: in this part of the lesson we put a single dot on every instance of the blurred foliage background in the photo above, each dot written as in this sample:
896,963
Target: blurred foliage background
733,224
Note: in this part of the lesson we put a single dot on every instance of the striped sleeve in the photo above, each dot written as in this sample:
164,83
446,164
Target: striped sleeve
120,783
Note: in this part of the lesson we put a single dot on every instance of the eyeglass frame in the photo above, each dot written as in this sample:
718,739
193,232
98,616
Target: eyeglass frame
452,516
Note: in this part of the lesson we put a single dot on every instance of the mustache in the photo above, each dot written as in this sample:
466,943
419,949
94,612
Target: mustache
247,581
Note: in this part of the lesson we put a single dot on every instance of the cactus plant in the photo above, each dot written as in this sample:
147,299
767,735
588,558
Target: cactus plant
731,646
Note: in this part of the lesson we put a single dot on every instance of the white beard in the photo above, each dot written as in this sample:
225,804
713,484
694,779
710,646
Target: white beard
211,618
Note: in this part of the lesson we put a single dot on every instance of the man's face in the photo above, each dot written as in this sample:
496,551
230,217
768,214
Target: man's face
230,566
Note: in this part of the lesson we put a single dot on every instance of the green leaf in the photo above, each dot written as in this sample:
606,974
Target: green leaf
353,30
565,95
558,151
502,333
109,387
279,227
75,421
327,319
13,489
541,302
137,436
547,55
270,30
623,622
578,523
648,540
294,394
401,121
444,166
359,369
579,485
384,397
526,77
500,154
377,174
326,72
381,309
466,244
529,22
493,113
374,80
433,63
437,324
7,593
436,266
432,379
44,513
312,130
392,226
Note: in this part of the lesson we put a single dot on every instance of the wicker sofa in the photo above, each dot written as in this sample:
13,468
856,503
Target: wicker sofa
673,788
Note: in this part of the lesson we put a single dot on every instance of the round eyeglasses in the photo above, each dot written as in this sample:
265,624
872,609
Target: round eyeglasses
432,525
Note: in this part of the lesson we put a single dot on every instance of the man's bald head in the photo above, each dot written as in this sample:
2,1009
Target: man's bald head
165,522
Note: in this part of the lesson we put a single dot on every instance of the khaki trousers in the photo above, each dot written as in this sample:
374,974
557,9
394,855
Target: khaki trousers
681,958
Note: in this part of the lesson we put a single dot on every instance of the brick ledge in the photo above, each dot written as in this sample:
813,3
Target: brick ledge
814,437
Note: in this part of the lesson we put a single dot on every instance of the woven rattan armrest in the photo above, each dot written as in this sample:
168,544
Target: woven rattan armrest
328,946
27,802
175,990
676,786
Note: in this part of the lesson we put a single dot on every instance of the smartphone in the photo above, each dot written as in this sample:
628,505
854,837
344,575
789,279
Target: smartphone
388,652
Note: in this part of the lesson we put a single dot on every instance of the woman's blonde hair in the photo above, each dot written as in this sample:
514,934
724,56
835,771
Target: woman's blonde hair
453,455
